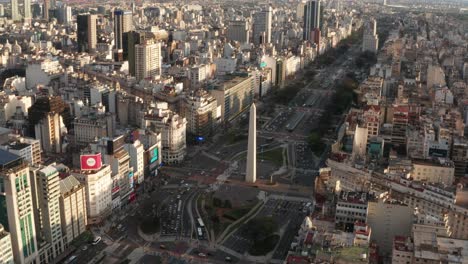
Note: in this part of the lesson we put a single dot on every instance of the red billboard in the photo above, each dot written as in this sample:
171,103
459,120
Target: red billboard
91,161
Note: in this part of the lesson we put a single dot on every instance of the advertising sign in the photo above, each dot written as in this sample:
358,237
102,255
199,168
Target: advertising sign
91,162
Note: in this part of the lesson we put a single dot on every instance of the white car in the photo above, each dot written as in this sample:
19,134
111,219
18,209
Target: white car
96,240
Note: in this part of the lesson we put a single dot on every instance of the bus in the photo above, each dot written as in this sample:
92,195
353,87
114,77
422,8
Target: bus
179,206
200,222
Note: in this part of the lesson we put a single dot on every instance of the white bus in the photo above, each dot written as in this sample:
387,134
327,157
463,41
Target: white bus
200,222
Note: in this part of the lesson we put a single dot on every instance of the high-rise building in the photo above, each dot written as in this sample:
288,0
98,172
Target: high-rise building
114,154
6,252
238,31
370,39
388,219
262,26
312,15
123,23
17,14
130,40
65,15
27,148
16,207
73,214
173,132
199,108
98,184
136,152
47,122
87,32
147,60
46,193
45,9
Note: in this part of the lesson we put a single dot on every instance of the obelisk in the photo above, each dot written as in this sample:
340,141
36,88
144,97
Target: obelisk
251,173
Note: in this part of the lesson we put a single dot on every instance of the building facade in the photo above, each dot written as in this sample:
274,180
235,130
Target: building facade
72,209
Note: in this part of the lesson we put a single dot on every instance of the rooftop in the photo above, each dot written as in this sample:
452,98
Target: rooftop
8,160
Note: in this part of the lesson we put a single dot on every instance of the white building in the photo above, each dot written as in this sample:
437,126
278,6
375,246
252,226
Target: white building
48,222
148,60
6,252
173,132
434,171
27,148
351,207
10,104
43,72
98,192
136,152
72,209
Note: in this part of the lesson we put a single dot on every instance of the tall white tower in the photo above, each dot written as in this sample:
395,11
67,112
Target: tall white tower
251,173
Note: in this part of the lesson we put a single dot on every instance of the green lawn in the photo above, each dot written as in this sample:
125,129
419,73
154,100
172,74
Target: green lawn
237,213
274,155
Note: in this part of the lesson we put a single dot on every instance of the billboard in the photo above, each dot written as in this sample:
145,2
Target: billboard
154,155
91,161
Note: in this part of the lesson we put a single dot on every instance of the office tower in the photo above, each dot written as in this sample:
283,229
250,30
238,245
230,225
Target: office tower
312,15
45,9
123,23
251,171
147,60
238,31
17,14
87,35
262,26
73,215
98,184
46,194
65,15
370,39
130,40
46,118
300,11
16,207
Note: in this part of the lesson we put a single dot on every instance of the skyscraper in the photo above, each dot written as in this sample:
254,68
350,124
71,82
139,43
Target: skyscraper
16,207
147,60
311,18
122,23
46,191
130,40
370,39
238,31
17,14
45,9
87,32
262,26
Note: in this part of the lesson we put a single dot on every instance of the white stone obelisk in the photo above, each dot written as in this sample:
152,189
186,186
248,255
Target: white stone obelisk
251,172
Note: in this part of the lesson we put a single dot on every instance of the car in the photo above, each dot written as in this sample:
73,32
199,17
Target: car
70,259
162,246
228,259
96,240
84,248
203,255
